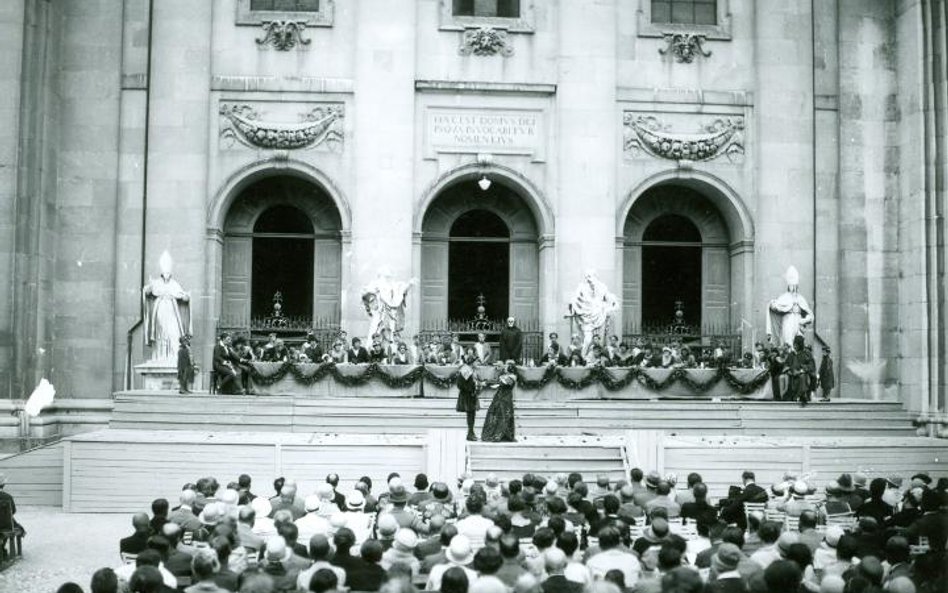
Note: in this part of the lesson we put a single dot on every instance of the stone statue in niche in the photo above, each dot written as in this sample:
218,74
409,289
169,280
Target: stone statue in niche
789,314
385,300
592,307
167,310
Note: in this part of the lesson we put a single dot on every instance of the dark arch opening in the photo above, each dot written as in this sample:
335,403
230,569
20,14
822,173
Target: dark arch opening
671,271
283,257
478,264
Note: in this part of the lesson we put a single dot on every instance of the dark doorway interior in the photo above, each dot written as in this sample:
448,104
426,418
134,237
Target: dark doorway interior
671,271
478,264
282,261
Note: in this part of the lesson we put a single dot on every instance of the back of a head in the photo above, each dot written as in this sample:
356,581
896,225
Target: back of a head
371,551
69,587
148,557
454,580
609,537
871,569
897,550
669,557
733,535
694,479
700,491
146,579
255,582
846,547
344,539
877,487
421,482
319,547
554,560
901,584
159,507
204,564
636,474
616,577
769,531
543,538
104,581
783,576
509,546
611,504
323,580
832,583
488,560
682,580
808,520
140,522
663,489
447,534
568,542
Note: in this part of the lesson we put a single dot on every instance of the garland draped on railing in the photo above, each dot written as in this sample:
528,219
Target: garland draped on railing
613,379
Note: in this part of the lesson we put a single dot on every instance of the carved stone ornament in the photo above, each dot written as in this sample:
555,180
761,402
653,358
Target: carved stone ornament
322,125
283,35
485,41
684,46
646,133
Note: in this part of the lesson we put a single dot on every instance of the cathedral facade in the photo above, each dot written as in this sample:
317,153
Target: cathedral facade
286,152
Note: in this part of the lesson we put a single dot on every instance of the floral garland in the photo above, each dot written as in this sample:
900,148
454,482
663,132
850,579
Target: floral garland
593,375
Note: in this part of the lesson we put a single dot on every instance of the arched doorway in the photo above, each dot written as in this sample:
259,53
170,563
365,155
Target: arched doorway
478,264
671,271
676,254
281,234
476,242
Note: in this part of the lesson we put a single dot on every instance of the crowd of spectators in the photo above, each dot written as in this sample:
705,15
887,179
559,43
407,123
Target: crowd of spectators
541,535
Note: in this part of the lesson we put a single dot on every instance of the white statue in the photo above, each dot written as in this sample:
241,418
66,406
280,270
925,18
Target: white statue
385,300
167,313
789,314
592,307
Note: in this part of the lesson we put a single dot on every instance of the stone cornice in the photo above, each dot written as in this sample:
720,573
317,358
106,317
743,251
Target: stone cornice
282,84
470,86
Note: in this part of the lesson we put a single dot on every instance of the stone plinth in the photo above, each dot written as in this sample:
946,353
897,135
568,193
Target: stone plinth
163,376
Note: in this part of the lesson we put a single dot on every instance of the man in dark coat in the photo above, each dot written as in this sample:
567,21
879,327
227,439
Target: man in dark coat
138,541
185,365
227,376
827,374
511,342
357,354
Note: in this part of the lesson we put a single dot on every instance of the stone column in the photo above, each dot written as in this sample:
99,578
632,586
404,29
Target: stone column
784,139
585,201
384,138
177,153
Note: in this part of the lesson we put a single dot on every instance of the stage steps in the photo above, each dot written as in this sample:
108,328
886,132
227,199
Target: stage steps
590,456
386,415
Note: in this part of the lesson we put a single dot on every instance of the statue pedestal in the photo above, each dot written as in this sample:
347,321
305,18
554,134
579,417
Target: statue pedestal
163,376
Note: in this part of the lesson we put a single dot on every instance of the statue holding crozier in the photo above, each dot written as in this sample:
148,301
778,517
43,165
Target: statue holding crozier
789,314
385,301
592,307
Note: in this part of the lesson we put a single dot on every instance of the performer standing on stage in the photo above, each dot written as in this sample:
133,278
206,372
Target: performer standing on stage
827,375
499,422
468,386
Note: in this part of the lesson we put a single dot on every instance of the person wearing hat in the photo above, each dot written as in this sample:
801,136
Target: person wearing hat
402,551
385,528
287,499
313,522
663,499
643,496
827,376
440,503
825,554
875,506
263,524
274,564
797,503
185,364
211,515
724,576
555,561
459,553
404,516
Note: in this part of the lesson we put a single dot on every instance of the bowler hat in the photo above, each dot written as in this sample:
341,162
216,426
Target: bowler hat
397,493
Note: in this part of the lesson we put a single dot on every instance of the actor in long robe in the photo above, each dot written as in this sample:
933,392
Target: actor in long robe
511,342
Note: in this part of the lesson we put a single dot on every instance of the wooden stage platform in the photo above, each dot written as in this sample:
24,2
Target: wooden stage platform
383,415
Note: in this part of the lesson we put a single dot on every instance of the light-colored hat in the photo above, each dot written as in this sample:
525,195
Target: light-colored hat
406,539
551,488
212,514
387,524
277,549
324,492
832,535
492,481
787,539
800,488
312,503
355,501
460,551
230,497
261,506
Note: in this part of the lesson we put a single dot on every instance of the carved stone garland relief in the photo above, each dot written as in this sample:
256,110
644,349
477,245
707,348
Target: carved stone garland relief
647,134
322,125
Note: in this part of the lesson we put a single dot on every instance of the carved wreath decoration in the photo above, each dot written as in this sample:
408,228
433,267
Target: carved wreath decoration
485,41
283,35
722,136
321,125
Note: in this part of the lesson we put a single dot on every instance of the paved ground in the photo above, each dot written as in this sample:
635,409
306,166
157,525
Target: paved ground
62,547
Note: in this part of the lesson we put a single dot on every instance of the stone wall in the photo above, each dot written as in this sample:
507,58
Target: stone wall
828,175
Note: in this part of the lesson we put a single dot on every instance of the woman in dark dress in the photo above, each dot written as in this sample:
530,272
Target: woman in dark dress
467,395
499,422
